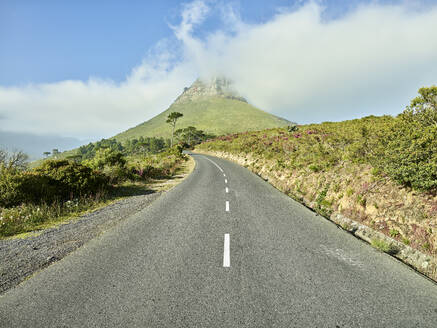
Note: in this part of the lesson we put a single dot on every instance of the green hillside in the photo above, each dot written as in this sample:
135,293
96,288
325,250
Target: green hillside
212,114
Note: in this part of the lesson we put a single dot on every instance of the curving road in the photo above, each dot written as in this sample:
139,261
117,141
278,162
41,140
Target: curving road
171,265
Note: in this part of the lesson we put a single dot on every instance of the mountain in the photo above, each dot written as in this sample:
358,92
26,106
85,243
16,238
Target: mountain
214,107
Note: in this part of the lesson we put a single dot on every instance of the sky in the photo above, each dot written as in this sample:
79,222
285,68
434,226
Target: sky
91,69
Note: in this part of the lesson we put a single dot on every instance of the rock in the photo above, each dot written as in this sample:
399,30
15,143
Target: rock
217,86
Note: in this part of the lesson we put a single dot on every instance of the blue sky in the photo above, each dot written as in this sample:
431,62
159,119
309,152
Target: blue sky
52,40
90,69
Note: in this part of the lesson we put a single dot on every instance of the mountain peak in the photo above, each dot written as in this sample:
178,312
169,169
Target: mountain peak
213,106
214,87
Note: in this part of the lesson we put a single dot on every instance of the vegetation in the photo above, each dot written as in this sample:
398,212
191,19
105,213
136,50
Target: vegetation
59,188
172,118
213,115
410,144
404,148
384,246
142,146
381,171
190,136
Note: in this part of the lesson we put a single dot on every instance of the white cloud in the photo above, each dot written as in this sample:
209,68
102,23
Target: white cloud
371,61
298,65
94,108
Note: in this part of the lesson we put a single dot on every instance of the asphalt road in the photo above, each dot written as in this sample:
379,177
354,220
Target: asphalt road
168,266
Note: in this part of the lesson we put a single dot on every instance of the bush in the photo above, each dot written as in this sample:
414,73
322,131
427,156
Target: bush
53,180
18,187
111,163
403,147
70,179
411,145
10,182
159,165
106,157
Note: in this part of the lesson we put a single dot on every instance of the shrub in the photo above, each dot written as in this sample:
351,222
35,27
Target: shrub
10,182
411,147
111,163
159,165
106,157
70,179
53,180
403,148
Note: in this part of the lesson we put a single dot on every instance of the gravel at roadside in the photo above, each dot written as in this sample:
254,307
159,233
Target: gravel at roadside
20,258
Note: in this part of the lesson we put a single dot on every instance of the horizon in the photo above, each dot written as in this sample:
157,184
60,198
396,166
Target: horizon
120,65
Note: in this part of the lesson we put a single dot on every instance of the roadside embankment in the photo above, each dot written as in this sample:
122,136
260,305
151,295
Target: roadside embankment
372,207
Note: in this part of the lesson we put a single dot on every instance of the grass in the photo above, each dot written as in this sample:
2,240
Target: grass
214,115
31,217
25,220
314,147
394,233
384,246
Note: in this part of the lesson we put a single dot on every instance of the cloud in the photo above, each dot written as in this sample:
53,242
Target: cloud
307,68
95,108
298,64
193,14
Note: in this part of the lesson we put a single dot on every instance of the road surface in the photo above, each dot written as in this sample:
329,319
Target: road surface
223,249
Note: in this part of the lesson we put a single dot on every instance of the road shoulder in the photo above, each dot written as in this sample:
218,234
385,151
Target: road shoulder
21,257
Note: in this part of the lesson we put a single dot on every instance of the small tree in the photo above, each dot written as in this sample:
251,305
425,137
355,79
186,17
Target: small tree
15,160
190,136
172,119
46,153
423,109
410,148
18,160
55,152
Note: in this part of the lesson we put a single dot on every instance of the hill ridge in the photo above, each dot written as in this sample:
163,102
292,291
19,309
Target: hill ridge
213,106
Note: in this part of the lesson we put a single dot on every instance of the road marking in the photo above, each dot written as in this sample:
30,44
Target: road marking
342,255
226,252
227,206
221,170
227,190
226,180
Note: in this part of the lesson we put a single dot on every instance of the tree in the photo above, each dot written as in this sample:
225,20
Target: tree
423,109
46,153
410,144
190,136
55,152
172,119
15,160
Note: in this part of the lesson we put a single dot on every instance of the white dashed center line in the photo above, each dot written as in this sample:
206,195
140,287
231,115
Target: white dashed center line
226,252
226,248
221,170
